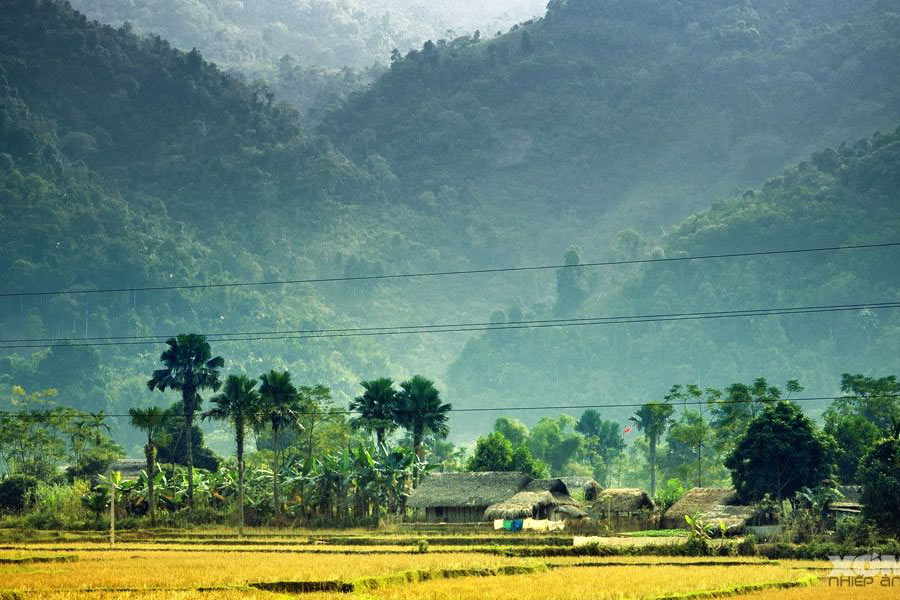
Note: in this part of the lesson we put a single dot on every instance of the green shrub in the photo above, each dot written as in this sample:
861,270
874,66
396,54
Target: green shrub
696,546
669,494
747,546
200,515
15,493
62,502
854,531
726,549
422,546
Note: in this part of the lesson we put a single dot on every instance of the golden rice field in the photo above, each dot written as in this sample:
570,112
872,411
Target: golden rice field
179,568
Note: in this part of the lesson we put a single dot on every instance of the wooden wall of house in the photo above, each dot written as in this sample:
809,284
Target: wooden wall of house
455,514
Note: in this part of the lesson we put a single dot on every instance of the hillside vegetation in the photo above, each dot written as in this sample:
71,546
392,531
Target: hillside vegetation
849,194
310,52
126,162
614,114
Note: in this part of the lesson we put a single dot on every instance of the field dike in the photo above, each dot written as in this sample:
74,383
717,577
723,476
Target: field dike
382,581
28,560
739,590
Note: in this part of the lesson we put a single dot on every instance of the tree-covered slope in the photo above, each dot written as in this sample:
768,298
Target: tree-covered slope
310,52
126,163
845,196
606,114
251,36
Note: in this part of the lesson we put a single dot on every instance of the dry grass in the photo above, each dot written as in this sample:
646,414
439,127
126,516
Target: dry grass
823,591
167,595
596,583
119,570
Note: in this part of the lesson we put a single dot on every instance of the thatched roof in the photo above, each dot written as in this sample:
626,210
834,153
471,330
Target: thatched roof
458,490
850,493
570,511
554,486
520,506
129,467
587,486
622,500
714,505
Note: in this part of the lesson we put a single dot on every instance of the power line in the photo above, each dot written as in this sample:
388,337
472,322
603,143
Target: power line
451,328
214,336
335,412
608,263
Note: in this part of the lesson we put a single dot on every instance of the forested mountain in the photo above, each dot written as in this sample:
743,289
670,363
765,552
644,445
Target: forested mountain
328,33
621,113
849,195
308,51
126,162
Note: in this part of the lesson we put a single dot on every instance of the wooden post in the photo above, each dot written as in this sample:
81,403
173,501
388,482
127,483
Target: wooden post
112,510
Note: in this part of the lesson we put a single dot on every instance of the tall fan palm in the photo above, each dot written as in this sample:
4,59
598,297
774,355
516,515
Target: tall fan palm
377,408
279,407
653,419
189,367
420,411
238,404
152,421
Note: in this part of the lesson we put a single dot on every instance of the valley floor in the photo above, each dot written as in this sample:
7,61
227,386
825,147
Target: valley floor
385,566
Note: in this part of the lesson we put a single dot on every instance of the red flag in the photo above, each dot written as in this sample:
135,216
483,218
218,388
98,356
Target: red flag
628,430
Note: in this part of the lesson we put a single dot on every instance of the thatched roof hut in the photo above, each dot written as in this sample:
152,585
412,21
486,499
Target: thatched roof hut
622,501
464,497
714,505
585,487
564,505
523,505
554,486
129,467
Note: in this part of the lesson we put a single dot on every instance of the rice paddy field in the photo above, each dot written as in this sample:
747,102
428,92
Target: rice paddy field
392,565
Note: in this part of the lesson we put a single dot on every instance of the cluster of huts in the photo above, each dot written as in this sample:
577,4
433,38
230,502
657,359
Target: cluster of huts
493,495
490,496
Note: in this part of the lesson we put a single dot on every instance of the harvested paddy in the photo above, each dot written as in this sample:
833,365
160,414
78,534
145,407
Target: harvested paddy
601,583
315,565
168,570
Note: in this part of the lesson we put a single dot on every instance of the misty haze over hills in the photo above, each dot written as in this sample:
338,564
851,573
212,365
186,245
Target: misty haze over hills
626,129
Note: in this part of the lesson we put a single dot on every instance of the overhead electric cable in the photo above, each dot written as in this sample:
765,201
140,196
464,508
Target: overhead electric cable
636,261
215,336
9,414
537,324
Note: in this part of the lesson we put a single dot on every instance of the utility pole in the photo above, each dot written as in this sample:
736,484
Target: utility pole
112,510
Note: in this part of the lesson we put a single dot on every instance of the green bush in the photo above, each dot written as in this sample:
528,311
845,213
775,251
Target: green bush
187,517
669,494
747,546
15,492
696,546
854,531
62,502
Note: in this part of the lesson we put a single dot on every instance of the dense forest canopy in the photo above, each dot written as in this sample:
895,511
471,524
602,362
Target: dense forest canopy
127,162
607,115
310,52
849,194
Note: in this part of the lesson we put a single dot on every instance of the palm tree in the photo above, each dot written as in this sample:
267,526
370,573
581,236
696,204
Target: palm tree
238,404
376,407
420,411
279,406
152,421
653,419
189,367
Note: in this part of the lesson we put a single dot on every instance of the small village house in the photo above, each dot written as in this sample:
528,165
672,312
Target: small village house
463,497
712,505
